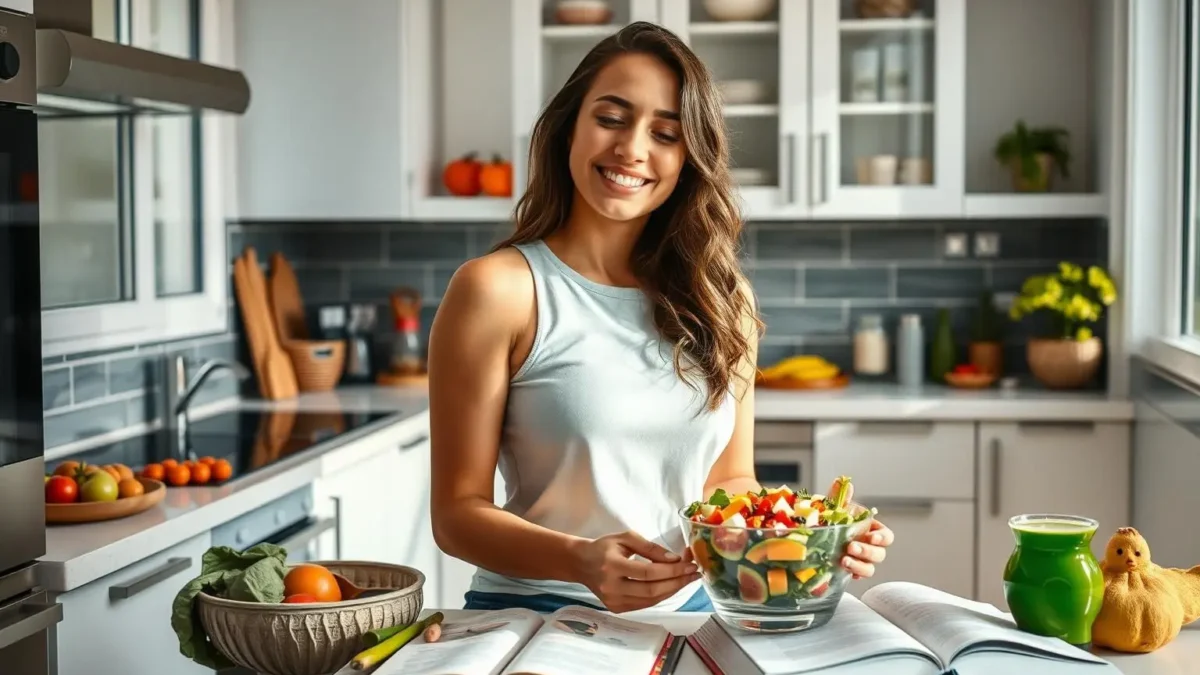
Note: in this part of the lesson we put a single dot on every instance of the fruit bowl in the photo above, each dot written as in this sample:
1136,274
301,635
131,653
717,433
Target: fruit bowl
312,638
94,511
773,580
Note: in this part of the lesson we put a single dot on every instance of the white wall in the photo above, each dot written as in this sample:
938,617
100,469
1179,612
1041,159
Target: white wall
322,135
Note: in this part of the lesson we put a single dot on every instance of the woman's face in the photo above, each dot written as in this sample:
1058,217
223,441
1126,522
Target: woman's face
627,150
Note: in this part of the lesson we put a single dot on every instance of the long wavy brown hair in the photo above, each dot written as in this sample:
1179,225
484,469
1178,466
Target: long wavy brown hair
686,258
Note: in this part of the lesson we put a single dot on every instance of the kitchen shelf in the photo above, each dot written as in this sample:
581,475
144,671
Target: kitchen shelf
497,209
1034,205
579,32
734,28
752,110
885,108
885,25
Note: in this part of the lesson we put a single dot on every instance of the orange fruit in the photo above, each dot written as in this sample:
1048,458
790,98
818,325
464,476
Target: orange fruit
208,460
168,463
129,487
67,468
155,471
313,580
222,470
126,472
201,473
113,471
178,475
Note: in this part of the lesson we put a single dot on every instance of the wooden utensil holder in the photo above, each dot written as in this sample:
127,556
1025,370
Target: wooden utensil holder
318,363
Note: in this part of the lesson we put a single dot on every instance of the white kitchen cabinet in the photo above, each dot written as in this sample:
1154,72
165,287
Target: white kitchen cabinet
783,454
383,513
1047,467
121,623
921,477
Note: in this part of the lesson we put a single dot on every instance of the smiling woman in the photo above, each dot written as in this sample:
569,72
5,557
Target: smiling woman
603,355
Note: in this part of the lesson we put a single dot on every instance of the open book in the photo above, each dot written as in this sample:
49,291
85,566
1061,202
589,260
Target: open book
899,628
572,641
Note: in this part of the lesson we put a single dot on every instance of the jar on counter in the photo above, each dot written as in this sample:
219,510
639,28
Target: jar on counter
870,346
910,351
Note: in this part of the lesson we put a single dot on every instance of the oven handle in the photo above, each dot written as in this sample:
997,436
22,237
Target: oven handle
303,537
32,618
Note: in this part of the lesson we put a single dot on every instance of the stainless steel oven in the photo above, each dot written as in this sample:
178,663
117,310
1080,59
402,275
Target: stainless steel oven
25,615
783,455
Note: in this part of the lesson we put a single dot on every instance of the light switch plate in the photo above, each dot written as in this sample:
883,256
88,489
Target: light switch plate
956,245
987,244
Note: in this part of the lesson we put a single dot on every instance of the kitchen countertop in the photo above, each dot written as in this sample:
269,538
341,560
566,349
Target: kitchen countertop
78,554
861,402
1177,658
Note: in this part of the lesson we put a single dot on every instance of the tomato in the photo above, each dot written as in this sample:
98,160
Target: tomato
300,597
61,490
155,471
966,369
314,580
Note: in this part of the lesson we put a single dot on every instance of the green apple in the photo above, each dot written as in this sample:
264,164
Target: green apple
99,487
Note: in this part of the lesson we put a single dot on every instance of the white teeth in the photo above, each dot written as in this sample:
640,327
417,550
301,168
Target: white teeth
621,179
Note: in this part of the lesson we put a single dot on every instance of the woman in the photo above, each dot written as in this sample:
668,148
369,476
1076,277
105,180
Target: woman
604,355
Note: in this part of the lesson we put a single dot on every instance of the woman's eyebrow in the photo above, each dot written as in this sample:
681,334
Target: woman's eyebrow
617,100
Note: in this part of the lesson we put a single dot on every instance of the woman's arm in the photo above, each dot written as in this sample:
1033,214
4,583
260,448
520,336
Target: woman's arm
734,469
487,309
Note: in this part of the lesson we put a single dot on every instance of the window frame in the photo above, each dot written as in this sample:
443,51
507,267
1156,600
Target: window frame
148,318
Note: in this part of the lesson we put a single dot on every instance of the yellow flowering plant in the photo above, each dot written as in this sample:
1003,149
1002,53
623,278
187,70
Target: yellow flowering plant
1074,296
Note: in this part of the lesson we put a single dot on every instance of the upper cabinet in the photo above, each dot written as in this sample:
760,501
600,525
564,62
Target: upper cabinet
838,109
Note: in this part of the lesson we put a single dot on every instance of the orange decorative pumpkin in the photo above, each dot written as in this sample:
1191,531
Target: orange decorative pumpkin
462,176
496,178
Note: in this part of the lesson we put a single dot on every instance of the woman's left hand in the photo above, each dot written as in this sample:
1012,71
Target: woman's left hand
864,553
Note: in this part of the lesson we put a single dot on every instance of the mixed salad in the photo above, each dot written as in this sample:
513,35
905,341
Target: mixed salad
774,547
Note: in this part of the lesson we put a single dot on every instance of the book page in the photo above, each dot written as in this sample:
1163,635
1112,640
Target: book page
951,625
581,641
479,645
855,633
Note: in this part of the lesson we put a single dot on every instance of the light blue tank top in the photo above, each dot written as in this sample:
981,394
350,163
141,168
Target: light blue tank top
600,435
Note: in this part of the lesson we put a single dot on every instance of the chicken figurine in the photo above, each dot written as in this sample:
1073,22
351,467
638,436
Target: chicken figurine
1145,605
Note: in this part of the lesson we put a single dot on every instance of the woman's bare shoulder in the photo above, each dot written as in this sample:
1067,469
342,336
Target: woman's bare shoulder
497,286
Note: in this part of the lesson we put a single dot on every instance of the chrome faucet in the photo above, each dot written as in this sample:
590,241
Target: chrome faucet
178,376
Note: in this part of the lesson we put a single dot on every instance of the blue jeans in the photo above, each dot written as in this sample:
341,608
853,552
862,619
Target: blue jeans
546,603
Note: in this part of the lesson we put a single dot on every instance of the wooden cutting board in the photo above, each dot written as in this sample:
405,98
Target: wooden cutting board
276,378
287,305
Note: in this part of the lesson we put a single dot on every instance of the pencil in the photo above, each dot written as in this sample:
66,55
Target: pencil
672,660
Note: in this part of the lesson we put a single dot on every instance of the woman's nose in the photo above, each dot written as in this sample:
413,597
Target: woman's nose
632,146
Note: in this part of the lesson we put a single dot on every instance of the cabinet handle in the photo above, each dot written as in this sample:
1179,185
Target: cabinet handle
790,163
892,428
32,618
1057,425
995,477
818,175
302,538
166,570
893,504
414,442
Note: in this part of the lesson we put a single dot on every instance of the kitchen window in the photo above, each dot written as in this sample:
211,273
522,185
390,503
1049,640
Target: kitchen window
132,207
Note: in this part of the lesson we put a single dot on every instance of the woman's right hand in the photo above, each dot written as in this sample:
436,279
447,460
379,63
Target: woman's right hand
624,584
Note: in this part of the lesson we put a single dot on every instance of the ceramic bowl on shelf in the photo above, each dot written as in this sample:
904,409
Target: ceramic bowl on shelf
742,92
317,637
582,12
739,10
772,580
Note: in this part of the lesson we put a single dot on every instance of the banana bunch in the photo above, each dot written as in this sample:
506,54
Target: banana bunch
800,367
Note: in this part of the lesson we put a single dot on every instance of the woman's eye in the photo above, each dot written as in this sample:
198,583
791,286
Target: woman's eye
608,121
667,138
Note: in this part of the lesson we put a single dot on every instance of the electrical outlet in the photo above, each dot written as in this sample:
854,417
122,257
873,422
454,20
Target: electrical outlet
956,245
987,244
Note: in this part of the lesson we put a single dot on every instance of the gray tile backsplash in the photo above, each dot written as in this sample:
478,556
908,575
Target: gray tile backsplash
93,393
814,280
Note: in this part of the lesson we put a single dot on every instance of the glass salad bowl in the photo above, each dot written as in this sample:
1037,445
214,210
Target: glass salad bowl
770,561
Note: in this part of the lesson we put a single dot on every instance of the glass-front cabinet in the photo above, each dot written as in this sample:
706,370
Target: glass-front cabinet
887,107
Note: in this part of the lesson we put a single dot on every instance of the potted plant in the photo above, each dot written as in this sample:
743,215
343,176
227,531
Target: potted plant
1073,298
986,349
1031,154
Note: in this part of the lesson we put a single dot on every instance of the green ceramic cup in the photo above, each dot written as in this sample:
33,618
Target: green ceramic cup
1053,583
